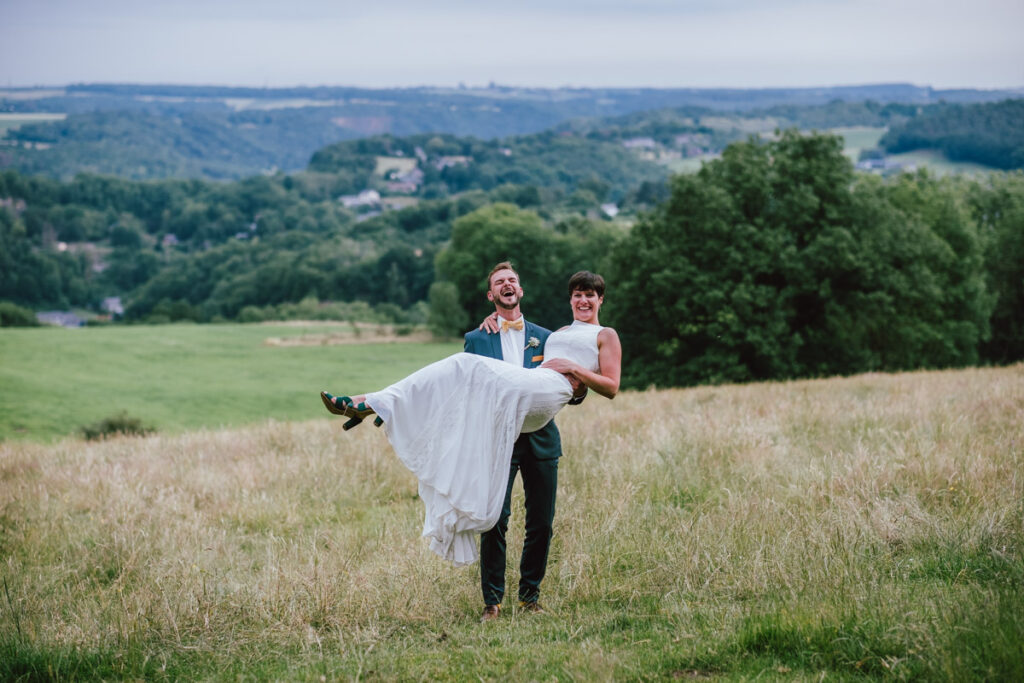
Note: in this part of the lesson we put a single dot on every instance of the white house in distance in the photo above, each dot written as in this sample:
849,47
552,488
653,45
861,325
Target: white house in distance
112,305
640,143
451,161
62,318
364,198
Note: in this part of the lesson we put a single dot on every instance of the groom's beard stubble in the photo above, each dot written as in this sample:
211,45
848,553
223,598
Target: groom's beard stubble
508,306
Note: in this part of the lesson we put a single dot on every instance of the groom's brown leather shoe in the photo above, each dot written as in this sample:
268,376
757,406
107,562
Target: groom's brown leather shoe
532,607
491,612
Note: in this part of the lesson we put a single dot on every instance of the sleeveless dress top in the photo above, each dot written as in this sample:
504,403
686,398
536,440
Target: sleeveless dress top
578,343
454,423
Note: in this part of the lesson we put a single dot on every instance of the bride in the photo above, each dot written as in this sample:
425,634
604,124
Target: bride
454,422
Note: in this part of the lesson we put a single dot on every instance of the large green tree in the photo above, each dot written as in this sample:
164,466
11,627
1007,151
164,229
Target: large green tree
544,256
997,203
37,274
777,261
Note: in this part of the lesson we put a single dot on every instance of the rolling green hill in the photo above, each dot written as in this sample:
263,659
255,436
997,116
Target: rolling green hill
160,131
991,134
840,529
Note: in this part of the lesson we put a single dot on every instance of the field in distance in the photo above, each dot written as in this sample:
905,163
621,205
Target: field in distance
17,120
855,140
53,381
839,529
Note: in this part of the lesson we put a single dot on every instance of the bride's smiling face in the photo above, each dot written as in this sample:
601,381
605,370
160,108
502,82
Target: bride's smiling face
585,305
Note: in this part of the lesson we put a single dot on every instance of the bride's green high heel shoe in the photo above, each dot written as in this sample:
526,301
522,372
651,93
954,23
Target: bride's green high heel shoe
343,405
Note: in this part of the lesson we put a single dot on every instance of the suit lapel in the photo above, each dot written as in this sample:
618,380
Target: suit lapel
495,340
528,351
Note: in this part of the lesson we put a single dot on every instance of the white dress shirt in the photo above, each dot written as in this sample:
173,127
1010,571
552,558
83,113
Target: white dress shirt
513,342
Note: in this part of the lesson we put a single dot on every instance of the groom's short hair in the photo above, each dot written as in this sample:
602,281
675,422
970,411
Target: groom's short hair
585,281
504,265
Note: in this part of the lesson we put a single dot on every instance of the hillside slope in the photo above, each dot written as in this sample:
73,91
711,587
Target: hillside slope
838,529
159,131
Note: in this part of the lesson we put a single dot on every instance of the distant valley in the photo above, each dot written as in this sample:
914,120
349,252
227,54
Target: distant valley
150,132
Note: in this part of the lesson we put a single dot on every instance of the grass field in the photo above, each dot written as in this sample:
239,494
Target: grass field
751,126
30,93
399,164
858,138
10,121
938,163
838,529
179,377
689,164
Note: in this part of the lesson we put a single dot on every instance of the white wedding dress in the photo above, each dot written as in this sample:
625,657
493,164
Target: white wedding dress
454,423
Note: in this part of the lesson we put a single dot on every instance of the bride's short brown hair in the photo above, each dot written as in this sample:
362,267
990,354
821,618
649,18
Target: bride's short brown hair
586,281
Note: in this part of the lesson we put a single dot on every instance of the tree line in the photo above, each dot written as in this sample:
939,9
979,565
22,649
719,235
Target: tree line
563,163
991,134
162,131
205,251
777,260
665,125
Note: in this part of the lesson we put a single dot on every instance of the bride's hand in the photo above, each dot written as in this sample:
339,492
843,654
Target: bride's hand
490,324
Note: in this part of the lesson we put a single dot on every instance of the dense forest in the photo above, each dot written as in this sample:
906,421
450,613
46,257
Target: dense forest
777,260
780,261
991,134
558,163
201,250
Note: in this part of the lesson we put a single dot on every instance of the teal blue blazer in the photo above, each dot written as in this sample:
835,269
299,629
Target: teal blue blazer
545,443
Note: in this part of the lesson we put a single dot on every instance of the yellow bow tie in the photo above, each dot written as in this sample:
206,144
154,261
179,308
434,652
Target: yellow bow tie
506,325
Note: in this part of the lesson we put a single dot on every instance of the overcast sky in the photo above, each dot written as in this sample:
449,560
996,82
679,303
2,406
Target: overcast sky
549,43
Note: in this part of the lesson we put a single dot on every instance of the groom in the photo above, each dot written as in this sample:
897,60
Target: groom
534,457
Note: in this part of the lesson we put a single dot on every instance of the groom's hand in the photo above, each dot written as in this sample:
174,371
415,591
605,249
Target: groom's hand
566,367
579,390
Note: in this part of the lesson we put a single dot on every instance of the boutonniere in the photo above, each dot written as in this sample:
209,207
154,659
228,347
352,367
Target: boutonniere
532,344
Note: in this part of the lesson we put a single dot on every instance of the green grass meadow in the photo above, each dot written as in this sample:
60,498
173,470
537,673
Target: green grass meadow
13,121
938,163
858,138
842,529
688,165
179,377
855,140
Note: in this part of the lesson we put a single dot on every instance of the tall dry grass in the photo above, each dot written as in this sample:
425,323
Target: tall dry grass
847,527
